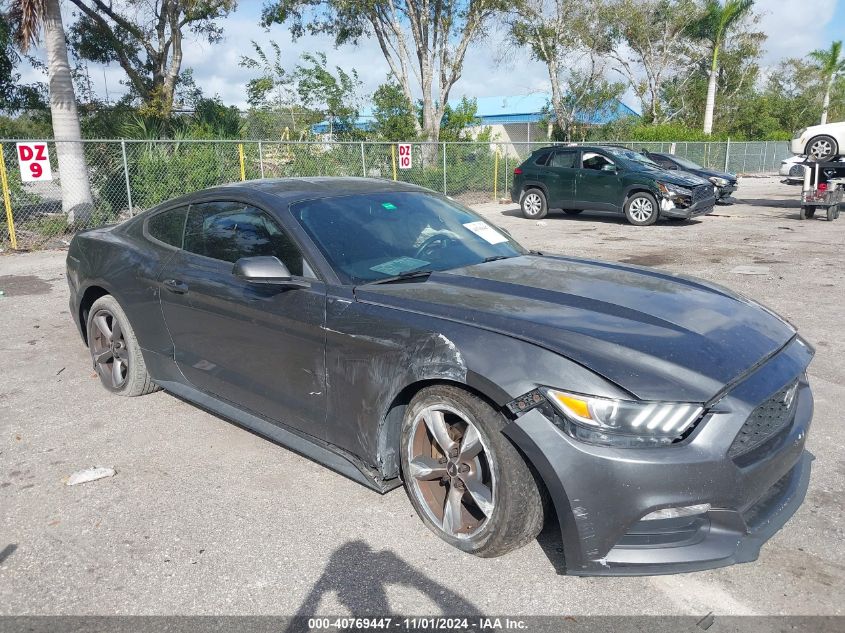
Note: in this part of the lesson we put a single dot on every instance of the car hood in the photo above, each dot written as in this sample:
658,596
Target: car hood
680,178
709,173
657,335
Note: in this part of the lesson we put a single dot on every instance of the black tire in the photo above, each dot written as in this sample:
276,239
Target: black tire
516,516
822,148
806,212
533,204
832,212
106,314
572,211
637,206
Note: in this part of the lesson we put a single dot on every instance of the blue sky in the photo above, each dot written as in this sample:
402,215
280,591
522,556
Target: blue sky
794,27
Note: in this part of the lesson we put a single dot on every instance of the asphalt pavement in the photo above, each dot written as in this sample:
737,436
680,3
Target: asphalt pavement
203,517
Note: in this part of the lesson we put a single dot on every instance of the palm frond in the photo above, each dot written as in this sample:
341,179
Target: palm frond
27,17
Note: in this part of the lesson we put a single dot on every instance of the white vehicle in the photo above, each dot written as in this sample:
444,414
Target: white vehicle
792,169
820,142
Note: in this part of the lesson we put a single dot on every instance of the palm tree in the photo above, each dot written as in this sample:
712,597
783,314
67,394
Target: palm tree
30,16
831,64
713,26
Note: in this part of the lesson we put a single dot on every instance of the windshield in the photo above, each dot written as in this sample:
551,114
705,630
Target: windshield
683,162
367,237
630,155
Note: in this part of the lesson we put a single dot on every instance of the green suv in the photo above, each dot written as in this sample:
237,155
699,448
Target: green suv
607,178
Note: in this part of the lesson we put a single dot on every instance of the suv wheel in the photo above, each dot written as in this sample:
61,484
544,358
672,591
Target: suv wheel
822,148
533,204
641,209
467,482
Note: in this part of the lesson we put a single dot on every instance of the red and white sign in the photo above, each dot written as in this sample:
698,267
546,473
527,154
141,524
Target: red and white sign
34,160
405,155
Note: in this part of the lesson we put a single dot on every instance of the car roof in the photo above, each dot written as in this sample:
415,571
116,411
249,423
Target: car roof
291,190
586,147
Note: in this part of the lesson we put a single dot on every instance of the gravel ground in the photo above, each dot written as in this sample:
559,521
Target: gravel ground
204,517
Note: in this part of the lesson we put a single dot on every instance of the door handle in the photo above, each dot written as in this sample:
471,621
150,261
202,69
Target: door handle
176,286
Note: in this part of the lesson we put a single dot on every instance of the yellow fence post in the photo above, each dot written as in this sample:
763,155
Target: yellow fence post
7,201
393,155
241,158
496,176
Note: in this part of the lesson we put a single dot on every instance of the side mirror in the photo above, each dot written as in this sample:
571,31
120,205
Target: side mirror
266,270
609,167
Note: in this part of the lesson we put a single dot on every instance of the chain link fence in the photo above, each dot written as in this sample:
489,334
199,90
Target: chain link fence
126,177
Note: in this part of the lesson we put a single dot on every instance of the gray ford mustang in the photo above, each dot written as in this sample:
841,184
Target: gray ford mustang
396,337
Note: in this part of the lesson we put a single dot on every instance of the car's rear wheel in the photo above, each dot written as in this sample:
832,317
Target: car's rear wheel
641,209
467,482
534,205
822,148
115,351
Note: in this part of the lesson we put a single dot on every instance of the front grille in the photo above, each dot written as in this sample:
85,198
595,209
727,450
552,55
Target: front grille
701,193
765,421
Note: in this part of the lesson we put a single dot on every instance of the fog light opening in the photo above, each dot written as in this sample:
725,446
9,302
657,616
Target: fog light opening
681,511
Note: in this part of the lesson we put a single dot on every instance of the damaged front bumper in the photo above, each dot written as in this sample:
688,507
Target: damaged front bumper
601,494
680,207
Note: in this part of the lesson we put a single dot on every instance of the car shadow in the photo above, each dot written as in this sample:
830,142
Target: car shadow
7,551
791,203
598,216
358,577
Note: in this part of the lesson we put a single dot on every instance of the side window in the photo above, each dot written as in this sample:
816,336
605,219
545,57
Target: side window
168,226
542,159
597,162
230,230
564,159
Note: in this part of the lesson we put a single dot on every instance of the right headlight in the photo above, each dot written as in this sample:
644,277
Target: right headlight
800,132
671,191
624,423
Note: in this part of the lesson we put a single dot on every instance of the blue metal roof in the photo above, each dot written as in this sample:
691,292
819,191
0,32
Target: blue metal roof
528,108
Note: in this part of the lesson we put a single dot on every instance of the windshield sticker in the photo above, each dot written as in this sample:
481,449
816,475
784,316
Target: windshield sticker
399,265
486,232
389,206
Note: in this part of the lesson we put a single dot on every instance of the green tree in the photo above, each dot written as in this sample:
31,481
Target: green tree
423,41
28,18
648,42
336,95
567,36
714,26
830,65
458,119
393,118
15,96
146,39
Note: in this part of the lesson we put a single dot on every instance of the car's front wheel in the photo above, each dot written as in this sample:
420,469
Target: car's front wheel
115,351
641,209
467,482
822,148
534,205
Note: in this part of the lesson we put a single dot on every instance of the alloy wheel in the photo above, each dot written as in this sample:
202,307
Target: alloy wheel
641,209
108,349
451,473
821,149
532,204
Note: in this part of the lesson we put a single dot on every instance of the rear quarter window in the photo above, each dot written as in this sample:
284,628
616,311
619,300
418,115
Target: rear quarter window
168,226
542,159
